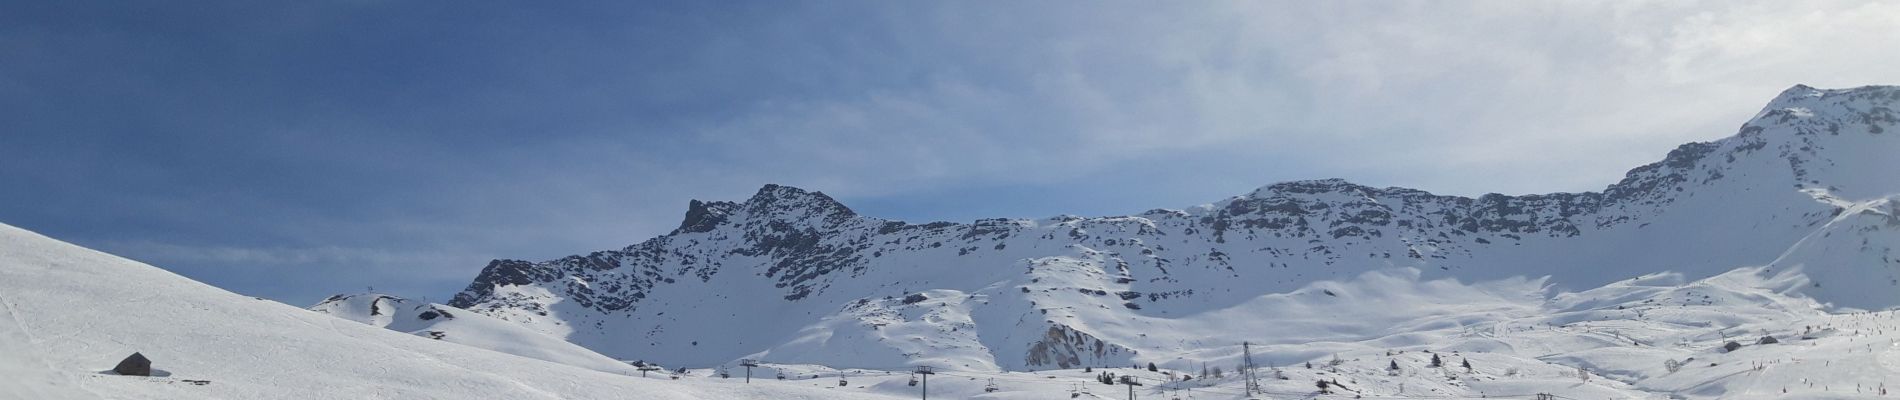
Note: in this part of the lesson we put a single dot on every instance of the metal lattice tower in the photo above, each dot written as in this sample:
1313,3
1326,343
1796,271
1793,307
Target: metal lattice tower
1253,380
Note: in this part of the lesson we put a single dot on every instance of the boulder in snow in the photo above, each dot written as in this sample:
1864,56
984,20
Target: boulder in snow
136,365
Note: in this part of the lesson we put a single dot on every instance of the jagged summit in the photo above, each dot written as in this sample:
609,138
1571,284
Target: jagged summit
1798,92
1033,293
1328,185
773,201
773,193
1808,96
1809,112
704,216
788,202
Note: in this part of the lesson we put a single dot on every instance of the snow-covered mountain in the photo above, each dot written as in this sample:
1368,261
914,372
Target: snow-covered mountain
69,314
794,276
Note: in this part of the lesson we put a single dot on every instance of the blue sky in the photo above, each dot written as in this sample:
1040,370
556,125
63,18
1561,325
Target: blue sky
293,150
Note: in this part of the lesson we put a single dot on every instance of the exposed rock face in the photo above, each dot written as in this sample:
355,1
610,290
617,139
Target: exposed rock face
135,365
776,262
1063,347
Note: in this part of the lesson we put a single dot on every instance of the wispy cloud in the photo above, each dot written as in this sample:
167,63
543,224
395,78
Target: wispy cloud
1426,94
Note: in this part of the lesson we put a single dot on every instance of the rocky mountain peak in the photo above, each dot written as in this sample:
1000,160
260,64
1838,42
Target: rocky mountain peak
1829,109
785,204
702,216
1311,186
1795,93
779,202
781,195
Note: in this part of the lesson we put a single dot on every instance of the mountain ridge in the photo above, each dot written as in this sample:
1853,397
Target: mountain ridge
798,244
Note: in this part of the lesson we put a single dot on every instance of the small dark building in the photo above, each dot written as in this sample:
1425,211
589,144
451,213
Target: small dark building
1731,346
1768,340
136,365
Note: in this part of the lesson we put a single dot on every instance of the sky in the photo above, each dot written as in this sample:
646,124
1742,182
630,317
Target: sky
294,150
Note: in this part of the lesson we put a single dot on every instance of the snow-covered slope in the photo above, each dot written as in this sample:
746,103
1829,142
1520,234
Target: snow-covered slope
67,313
1853,261
1653,336
794,276
454,325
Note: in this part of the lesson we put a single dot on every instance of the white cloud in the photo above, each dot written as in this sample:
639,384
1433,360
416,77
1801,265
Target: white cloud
1565,96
